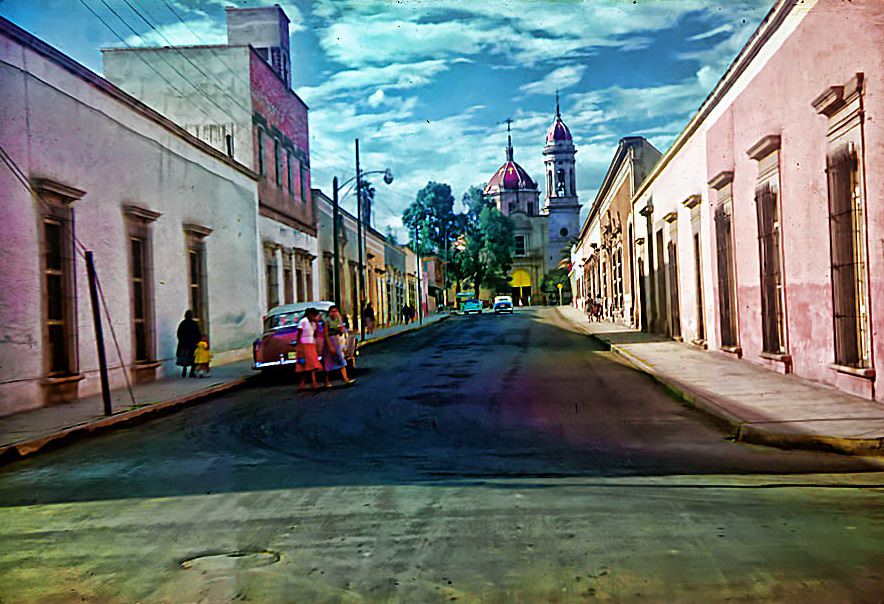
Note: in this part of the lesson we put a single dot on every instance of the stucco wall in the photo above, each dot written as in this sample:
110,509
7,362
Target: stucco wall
60,127
832,43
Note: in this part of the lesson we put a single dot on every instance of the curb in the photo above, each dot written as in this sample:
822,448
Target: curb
28,448
737,428
399,333
45,442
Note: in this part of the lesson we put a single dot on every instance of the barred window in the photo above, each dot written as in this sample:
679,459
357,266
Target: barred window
772,314
724,255
520,246
272,277
847,240
58,267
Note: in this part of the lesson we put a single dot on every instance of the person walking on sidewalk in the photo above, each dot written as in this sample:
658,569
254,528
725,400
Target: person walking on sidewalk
188,337
368,317
333,358
308,358
202,358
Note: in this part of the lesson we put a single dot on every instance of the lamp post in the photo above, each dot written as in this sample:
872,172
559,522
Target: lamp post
417,264
388,179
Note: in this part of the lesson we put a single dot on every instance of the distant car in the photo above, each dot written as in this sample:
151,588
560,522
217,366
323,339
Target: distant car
275,349
503,304
472,306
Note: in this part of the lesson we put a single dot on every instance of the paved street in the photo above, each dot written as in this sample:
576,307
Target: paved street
493,459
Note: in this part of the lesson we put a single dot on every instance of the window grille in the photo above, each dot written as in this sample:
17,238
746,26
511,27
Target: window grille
272,269
772,314
141,301
262,167
847,259
724,254
672,277
277,161
59,297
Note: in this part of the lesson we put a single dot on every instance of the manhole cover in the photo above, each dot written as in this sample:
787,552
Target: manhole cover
226,561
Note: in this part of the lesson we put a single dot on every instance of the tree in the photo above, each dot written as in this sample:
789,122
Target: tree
483,250
432,214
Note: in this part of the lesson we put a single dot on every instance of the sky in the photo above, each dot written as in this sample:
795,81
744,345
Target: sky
427,84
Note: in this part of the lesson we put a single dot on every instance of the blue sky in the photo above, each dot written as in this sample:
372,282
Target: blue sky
426,85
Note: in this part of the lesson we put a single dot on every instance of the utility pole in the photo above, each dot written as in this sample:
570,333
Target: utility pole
445,270
336,217
420,305
359,243
99,334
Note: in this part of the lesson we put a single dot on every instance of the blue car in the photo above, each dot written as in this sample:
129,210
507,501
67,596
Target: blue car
472,306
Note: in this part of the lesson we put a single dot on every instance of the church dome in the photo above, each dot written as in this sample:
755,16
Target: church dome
558,131
510,176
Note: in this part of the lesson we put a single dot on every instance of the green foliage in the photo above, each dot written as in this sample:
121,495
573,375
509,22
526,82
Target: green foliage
484,248
549,283
432,215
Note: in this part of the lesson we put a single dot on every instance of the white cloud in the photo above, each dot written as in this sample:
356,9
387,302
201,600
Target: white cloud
350,82
376,98
561,78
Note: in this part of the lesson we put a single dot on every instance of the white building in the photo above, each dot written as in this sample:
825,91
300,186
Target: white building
172,221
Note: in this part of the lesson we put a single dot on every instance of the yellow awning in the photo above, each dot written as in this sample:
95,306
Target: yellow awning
520,278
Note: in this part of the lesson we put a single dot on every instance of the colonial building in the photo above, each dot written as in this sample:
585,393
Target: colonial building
542,234
237,97
171,220
603,260
758,234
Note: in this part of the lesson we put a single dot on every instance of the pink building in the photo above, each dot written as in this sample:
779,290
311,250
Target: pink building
798,161
760,232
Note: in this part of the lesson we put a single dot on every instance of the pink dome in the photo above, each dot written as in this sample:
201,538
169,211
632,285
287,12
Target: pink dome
558,132
510,176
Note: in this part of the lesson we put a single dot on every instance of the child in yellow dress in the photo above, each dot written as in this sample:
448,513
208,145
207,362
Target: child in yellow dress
202,357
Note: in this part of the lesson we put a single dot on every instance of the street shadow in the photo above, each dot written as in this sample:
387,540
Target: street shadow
465,401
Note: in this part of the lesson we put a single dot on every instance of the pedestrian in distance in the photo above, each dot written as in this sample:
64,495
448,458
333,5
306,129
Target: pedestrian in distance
189,335
335,334
305,346
368,318
202,358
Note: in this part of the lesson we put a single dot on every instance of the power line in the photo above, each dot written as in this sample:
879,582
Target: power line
81,249
186,58
143,60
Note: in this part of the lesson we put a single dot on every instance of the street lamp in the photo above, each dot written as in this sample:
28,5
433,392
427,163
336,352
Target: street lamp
388,179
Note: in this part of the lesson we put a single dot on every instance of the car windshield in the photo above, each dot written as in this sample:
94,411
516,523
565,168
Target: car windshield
287,319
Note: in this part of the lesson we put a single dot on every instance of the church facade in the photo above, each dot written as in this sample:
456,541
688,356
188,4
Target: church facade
543,233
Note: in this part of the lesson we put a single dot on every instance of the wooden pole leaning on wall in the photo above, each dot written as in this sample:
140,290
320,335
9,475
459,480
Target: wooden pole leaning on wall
99,333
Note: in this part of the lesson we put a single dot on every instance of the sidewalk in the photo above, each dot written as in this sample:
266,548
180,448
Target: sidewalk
29,432
758,405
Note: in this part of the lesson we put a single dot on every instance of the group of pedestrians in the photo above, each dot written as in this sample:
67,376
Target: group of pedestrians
320,348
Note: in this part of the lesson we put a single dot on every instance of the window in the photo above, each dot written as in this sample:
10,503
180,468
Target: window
58,270
672,281
288,173
563,232
573,182
843,106
560,181
228,141
530,208
198,295
520,246
141,282
262,167
299,279
288,290
847,233
304,183
277,161
724,256
772,315
271,269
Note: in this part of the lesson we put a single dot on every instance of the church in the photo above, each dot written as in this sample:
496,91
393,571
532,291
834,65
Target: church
543,234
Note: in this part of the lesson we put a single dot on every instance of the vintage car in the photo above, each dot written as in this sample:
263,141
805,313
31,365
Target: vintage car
503,304
472,306
275,348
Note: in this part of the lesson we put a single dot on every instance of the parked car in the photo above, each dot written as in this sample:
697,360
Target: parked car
503,304
275,348
472,306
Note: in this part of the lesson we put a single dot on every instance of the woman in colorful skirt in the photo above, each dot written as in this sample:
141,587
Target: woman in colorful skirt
308,357
333,353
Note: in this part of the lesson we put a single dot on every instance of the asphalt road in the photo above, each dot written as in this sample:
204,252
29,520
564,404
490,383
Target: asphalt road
492,459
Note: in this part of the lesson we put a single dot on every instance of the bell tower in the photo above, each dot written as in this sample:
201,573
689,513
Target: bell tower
561,203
